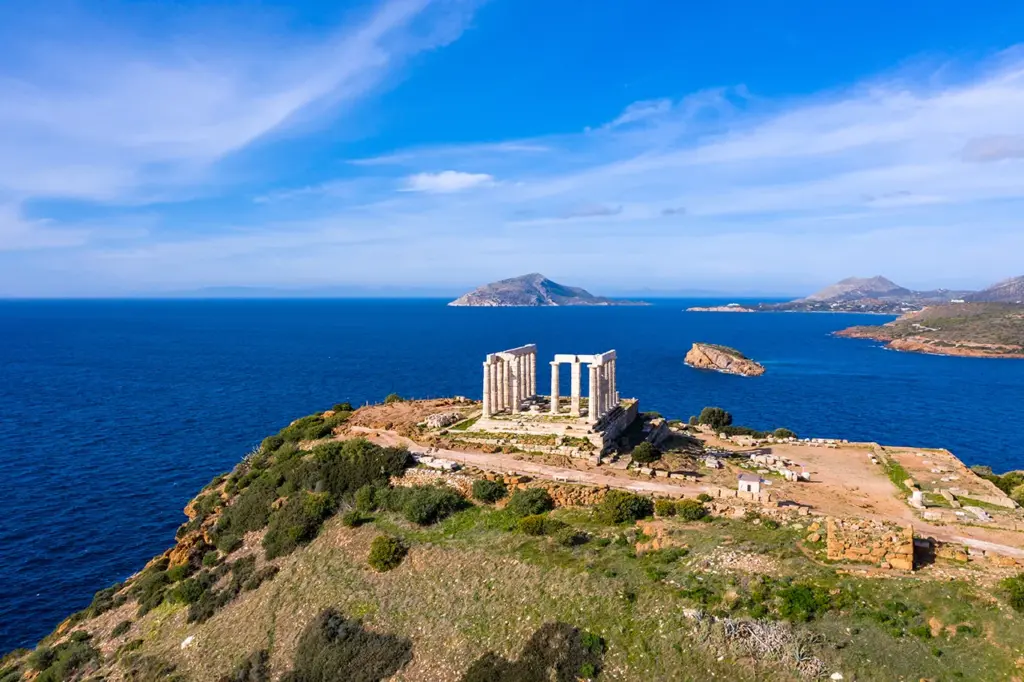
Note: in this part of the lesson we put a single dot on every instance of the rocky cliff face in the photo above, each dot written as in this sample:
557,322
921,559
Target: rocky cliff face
722,359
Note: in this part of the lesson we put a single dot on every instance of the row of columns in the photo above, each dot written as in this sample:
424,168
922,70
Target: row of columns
510,377
603,392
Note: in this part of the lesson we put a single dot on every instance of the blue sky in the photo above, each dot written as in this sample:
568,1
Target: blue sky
418,146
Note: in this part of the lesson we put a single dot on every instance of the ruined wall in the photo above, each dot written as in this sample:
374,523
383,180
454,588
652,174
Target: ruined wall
887,545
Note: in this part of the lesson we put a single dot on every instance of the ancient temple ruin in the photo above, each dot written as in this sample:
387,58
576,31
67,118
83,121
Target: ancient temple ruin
511,403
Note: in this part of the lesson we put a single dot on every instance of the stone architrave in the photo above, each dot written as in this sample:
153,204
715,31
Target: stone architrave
554,387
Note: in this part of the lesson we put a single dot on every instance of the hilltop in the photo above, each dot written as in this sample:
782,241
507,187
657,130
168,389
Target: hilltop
1007,291
722,359
866,295
325,555
532,290
993,330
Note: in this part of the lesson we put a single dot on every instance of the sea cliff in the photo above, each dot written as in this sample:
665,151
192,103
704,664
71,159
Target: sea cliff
722,359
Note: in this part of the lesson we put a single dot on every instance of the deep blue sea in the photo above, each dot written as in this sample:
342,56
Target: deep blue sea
114,413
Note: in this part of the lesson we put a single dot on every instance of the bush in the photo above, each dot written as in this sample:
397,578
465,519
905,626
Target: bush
393,398
663,507
271,443
1014,589
570,537
530,501
148,588
65,661
333,648
386,552
620,506
186,592
535,524
704,497
691,510
715,417
489,491
424,505
343,407
179,573
121,628
211,558
253,668
296,522
366,498
645,453
802,603
1017,494
783,433
354,518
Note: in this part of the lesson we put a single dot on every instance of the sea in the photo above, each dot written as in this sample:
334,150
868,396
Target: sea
113,414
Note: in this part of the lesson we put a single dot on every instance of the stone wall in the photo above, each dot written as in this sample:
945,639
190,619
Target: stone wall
762,497
884,544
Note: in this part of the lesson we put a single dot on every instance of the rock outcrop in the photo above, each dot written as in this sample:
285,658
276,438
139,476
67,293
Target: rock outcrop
722,359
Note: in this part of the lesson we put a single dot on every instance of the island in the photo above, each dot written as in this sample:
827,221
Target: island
729,308
722,359
529,537
988,330
533,290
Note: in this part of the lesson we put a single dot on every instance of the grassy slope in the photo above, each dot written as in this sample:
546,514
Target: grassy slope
994,323
469,586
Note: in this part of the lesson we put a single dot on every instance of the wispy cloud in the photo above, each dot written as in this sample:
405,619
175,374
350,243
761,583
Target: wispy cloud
446,182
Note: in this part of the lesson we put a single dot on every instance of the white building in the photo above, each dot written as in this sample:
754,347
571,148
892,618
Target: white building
749,483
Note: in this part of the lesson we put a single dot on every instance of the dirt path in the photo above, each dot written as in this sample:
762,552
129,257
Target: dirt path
504,463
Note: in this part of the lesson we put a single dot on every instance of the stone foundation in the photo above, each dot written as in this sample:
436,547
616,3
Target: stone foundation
884,544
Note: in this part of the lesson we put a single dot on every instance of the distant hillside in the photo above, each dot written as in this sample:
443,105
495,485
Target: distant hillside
532,290
853,288
1007,291
866,295
971,329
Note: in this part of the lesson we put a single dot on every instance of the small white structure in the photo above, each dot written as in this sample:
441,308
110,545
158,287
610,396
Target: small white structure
749,483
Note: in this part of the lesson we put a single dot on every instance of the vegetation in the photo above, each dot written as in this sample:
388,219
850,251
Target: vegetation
715,417
645,453
1000,325
530,501
386,552
691,510
557,651
253,668
489,491
664,507
393,398
66,660
296,522
1014,589
620,506
782,434
334,647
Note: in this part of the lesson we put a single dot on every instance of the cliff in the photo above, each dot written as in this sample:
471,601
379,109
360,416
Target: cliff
722,359
990,330
533,290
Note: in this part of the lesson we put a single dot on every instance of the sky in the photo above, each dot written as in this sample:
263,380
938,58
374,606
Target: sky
424,147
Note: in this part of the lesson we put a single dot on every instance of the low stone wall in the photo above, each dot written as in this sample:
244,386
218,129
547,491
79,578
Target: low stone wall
726,493
887,545
995,500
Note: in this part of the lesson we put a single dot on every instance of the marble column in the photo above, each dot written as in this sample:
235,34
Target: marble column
607,381
502,384
495,400
613,388
517,381
533,373
595,394
487,389
554,388
574,395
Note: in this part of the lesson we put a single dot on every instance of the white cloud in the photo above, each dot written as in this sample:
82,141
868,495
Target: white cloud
446,182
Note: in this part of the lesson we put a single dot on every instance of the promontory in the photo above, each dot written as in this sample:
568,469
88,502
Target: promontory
989,330
722,359
533,290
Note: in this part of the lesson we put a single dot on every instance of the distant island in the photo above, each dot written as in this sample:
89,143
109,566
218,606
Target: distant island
722,359
881,296
533,290
990,330
730,308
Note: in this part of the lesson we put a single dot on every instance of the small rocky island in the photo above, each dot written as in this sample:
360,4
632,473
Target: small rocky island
533,290
987,330
722,359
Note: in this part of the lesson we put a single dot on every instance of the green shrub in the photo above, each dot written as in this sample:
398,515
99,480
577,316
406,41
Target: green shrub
250,511
1014,589
535,524
393,398
271,443
333,648
529,502
211,558
645,453
802,603
663,507
783,433
106,599
704,497
386,552
121,628
186,592
366,498
296,522
570,537
620,506
425,505
489,491
253,668
148,588
179,573
343,407
715,417
691,510
1017,494
354,518
343,467
65,661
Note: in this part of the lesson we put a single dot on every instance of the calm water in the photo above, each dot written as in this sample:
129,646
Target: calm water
113,414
